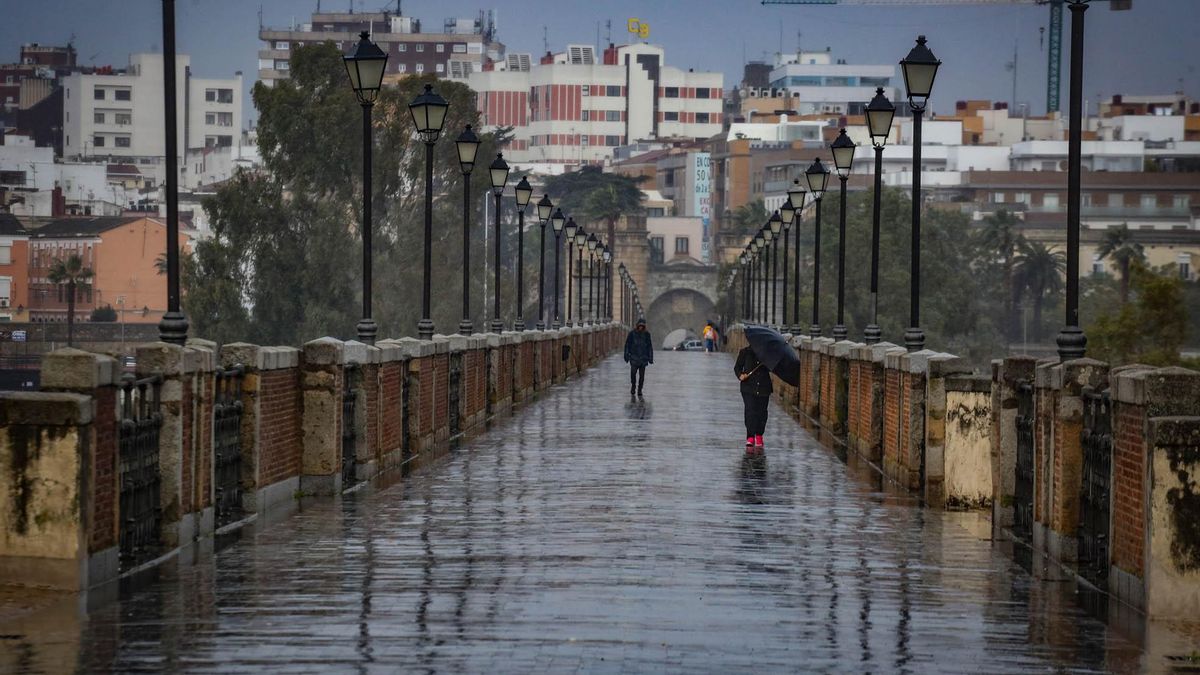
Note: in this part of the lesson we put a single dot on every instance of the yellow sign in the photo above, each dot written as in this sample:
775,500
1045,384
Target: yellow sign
639,28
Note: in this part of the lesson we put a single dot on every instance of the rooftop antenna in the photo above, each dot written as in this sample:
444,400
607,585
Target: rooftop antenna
608,31
545,38
260,16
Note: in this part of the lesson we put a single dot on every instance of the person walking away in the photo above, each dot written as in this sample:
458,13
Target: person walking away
756,394
710,337
639,353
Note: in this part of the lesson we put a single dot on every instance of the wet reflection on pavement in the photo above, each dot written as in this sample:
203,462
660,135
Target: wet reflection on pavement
598,532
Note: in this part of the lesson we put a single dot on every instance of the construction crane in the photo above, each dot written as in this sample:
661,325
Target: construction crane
1053,56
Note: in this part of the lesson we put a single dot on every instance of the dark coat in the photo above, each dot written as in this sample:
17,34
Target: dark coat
639,348
759,382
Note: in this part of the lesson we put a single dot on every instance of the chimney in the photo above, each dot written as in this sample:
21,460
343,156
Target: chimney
547,59
58,203
610,55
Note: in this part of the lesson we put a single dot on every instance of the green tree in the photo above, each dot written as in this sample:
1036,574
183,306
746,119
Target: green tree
999,236
1039,270
104,314
70,273
593,195
1118,245
749,218
1153,329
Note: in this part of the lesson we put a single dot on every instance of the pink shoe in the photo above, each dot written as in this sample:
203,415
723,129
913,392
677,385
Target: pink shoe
758,441
749,441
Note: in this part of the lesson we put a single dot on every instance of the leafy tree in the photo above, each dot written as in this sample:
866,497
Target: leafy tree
1151,330
749,218
1040,270
71,273
104,314
597,196
999,237
1118,244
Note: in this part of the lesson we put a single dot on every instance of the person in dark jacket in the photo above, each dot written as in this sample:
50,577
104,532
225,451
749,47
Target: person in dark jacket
639,353
756,394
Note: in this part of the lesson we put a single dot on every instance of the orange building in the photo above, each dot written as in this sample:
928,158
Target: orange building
14,268
121,252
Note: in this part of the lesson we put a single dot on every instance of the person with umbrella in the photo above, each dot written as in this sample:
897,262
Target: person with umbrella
766,352
639,353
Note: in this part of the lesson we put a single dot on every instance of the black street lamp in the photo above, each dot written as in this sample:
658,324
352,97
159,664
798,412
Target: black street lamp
605,293
919,67
787,214
843,158
624,284
1072,343
429,114
743,259
544,210
818,177
570,229
592,243
760,257
365,67
774,227
581,244
499,176
524,193
557,222
173,327
796,197
467,144
880,112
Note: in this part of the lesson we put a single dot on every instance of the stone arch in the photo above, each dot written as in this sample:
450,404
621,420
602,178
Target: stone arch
678,308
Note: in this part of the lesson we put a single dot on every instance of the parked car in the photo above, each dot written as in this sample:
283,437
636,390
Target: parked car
690,346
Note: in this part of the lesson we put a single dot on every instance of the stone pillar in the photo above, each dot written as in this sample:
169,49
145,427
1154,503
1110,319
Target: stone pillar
939,367
271,413
500,373
1045,401
49,493
1007,375
166,360
441,389
365,385
200,365
321,382
422,393
1173,559
393,373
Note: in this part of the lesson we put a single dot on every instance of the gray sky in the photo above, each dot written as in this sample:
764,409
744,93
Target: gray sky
1148,50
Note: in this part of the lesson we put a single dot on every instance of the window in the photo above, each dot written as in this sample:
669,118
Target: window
121,141
702,92
1116,199
681,245
97,141
1050,200
701,118
224,95
441,67
121,94
612,115
124,119
210,118
1180,201
585,90
612,141
612,90
460,49
402,47
671,92
420,67
656,250
583,115
1184,261
441,48
12,177
1086,199
1149,201
218,141
670,117
1097,265
5,291
420,47
1049,165
98,118
997,197
281,65
5,254
98,94
402,67
281,45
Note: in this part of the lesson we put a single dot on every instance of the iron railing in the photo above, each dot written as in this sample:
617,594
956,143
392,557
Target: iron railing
227,444
349,428
1095,493
1023,490
141,481
455,396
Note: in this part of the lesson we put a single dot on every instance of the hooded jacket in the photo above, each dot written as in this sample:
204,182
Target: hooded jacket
639,349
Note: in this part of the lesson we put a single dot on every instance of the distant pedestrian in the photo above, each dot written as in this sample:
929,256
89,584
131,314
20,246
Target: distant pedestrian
710,337
756,394
639,353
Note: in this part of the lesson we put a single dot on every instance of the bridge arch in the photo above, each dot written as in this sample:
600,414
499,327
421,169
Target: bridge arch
676,309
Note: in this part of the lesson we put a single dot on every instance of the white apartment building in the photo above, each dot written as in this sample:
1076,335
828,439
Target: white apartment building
576,109
817,83
119,115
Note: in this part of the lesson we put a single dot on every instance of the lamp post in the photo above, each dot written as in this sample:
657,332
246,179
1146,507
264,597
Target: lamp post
880,112
592,243
775,225
365,67
173,327
843,158
919,68
544,210
580,243
787,214
570,229
742,259
524,192
499,176
1072,343
557,221
429,114
467,144
760,288
796,197
606,305
818,177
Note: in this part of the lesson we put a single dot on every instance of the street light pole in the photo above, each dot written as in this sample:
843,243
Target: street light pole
818,177
499,176
544,210
920,68
775,227
880,113
570,229
173,327
592,242
580,243
523,192
788,214
467,144
843,159
796,198
1072,343
429,114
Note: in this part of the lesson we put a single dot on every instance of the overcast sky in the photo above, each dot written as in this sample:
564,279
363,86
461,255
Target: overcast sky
1150,49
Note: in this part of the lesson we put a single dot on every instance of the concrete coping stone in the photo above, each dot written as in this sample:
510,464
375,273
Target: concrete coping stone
843,348
201,343
880,349
917,362
1042,376
354,352
1084,372
1174,431
441,344
278,358
510,338
389,351
198,359
458,343
1128,384
244,353
159,358
1173,391
77,370
493,340
942,365
326,351
42,408
413,348
969,383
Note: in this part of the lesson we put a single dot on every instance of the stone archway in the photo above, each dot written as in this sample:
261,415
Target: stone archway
680,308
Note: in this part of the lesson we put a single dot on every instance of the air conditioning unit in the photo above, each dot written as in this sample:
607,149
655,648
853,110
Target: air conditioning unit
3,303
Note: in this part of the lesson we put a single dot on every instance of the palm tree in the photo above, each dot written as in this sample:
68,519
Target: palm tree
72,273
1119,245
999,235
597,195
160,264
1039,269
749,218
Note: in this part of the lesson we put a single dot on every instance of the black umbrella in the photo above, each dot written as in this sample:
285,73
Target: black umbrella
775,353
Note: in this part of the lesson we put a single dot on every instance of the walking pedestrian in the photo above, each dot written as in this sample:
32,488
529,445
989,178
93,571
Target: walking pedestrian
756,394
710,338
639,353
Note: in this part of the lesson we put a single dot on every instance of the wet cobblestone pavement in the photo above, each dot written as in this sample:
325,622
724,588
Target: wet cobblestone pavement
594,533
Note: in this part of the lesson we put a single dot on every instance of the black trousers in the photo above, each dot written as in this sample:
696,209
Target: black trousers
756,413
637,377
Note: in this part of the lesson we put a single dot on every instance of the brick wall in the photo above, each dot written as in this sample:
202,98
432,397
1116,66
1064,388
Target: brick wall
391,420
441,383
187,456
279,426
1128,488
105,479
891,417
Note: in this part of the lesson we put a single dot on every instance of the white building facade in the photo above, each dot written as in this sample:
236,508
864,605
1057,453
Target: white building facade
817,83
576,111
